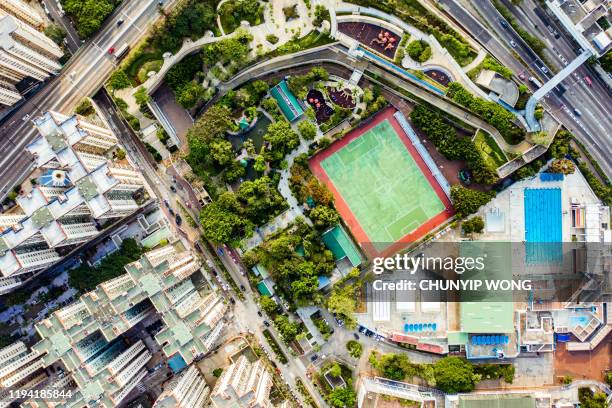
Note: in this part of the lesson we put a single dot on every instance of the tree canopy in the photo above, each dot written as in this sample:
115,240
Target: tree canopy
467,201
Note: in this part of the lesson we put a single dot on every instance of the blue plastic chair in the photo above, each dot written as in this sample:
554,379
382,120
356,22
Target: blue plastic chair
434,326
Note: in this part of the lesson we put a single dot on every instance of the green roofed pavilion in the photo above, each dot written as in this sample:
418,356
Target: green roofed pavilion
287,102
339,243
265,288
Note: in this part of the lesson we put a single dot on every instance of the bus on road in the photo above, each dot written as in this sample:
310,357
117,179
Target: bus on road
535,81
121,51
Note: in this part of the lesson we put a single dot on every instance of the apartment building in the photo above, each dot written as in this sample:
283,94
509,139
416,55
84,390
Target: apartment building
77,185
187,390
377,391
23,11
24,53
243,384
91,339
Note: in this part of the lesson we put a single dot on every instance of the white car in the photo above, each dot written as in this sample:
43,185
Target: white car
512,44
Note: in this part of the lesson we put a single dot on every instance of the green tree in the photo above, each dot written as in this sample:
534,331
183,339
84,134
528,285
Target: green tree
342,397
268,305
233,172
287,329
324,217
307,129
282,140
212,124
354,348
335,370
467,201
221,220
419,50
119,80
88,14
563,166
85,278
454,375
55,33
84,108
222,151
342,302
260,164
141,96
606,62
394,366
189,94
473,225
217,372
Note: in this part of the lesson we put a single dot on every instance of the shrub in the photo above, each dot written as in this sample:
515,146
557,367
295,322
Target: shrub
119,80
419,50
271,38
473,225
55,33
84,108
467,201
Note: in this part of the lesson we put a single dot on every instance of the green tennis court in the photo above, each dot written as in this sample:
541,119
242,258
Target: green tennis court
382,184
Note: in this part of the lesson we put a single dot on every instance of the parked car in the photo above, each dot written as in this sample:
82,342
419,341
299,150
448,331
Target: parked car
178,219
356,336
166,203
266,323
173,189
314,357
242,287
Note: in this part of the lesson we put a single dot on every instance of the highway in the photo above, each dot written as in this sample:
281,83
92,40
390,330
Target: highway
82,76
592,128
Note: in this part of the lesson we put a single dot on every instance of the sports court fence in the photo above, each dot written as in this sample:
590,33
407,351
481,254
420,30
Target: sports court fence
416,142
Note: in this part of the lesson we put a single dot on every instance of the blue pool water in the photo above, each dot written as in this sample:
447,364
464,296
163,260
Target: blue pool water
176,363
578,320
401,71
543,225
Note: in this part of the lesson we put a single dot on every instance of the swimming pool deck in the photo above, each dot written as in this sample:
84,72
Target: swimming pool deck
509,208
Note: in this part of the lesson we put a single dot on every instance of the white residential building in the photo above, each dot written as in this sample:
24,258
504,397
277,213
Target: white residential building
23,11
243,384
374,390
86,336
24,52
187,390
77,185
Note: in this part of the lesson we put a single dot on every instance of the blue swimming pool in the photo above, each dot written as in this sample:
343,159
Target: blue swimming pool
543,225
579,320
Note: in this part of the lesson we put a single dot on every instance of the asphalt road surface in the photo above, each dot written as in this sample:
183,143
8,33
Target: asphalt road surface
81,76
593,128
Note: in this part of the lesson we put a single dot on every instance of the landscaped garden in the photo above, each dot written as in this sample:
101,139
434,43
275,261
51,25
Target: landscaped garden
232,12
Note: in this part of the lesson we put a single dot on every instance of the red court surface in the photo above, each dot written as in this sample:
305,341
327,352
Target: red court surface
342,206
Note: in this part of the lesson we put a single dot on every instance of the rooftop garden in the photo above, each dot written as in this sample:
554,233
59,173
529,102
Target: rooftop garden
417,15
233,12
449,374
493,113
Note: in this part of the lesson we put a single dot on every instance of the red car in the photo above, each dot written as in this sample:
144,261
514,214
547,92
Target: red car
111,50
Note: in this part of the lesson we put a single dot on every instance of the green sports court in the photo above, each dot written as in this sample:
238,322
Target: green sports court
376,178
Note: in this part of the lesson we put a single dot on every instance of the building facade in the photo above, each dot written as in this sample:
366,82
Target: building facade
90,346
187,390
243,384
78,184
25,52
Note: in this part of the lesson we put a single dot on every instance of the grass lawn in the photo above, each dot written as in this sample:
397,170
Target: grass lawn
382,184
489,150
132,69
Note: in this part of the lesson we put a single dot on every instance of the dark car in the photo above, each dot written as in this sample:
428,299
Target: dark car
178,219
171,211
314,357
356,336
504,23
233,301
259,313
266,323
242,287
166,203
173,189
